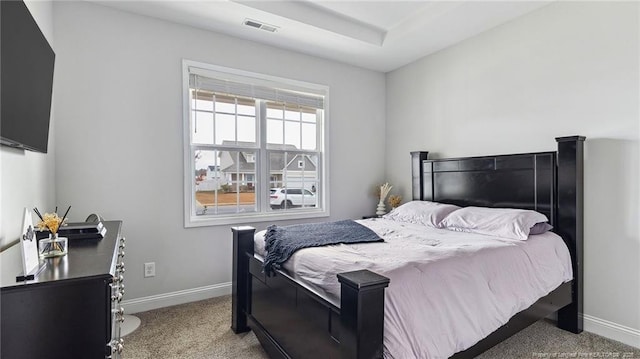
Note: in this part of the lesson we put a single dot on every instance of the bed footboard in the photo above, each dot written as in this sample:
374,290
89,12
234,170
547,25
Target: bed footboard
362,314
240,279
293,322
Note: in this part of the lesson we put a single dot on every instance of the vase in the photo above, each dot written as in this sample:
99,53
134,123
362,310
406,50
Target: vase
53,246
381,210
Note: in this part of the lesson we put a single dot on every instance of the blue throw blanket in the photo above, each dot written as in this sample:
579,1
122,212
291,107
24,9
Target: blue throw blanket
282,241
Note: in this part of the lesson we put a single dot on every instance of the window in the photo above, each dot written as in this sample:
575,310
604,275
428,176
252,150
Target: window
254,147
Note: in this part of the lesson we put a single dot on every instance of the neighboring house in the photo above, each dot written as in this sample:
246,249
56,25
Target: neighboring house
211,181
298,171
241,173
213,173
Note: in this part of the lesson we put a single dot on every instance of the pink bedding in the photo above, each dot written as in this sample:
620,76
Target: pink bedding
448,289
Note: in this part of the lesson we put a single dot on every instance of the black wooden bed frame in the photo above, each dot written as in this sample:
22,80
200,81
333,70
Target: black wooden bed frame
292,321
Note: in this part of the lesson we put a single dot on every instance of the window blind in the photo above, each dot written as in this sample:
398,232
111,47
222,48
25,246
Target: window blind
257,91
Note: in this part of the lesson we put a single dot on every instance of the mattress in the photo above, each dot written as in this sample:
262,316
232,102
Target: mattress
448,289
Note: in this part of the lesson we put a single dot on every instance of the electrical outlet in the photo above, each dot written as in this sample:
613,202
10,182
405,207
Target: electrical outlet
150,269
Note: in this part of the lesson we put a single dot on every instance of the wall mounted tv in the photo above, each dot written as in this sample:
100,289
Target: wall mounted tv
26,79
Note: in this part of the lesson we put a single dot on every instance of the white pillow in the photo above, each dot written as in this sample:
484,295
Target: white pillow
500,222
421,212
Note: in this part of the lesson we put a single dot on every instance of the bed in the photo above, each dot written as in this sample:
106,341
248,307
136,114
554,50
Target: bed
295,320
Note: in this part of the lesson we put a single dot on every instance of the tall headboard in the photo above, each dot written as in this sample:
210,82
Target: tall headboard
548,182
510,181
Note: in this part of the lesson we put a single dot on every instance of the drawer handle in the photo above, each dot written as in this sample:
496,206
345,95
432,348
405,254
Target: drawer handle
116,346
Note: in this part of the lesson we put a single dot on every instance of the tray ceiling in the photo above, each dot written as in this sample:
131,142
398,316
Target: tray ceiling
378,35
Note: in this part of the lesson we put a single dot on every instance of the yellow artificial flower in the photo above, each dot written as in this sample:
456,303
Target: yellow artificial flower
51,222
395,201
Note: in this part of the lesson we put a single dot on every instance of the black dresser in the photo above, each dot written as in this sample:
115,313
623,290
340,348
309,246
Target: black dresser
72,308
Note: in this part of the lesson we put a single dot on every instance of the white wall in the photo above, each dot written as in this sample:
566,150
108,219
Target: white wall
568,68
119,120
27,179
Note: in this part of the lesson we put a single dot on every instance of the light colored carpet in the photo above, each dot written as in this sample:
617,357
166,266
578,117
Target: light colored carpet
201,330
198,330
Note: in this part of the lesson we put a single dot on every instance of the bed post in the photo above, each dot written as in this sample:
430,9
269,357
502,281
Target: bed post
240,279
417,174
362,314
570,223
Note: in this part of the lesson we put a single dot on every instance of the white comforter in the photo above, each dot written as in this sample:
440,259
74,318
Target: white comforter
448,289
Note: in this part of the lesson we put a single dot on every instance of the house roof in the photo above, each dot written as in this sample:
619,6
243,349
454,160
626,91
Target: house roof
276,161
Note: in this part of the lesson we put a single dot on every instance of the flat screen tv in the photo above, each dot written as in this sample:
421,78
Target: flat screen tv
26,77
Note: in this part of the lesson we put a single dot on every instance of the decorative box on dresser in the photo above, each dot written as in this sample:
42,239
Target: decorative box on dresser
72,307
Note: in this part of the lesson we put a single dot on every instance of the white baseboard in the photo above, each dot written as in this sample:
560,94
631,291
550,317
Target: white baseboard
611,330
174,298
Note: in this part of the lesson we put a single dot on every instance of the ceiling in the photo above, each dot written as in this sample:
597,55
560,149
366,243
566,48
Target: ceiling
377,35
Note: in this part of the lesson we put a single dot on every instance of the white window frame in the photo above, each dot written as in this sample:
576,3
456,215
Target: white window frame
190,218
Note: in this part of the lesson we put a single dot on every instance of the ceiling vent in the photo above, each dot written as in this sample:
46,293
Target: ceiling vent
260,25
